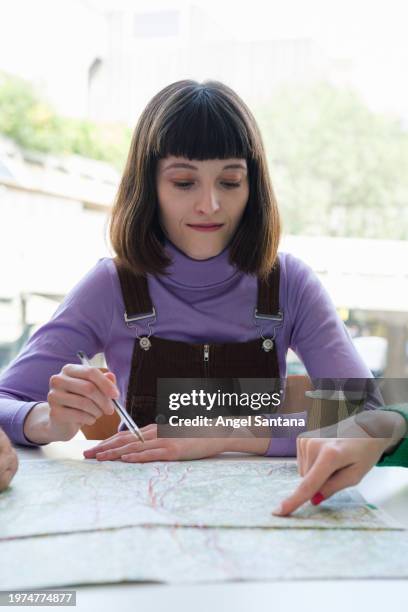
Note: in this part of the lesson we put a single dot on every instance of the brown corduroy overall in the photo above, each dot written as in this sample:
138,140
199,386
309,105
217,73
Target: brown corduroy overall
155,357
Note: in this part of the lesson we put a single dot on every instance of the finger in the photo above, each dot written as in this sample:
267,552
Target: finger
72,415
8,467
150,434
116,452
309,450
300,456
111,376
82,388
14,463
119,439
5,444
122,436
346,477
60,398
5,479
326,463
4,462
116,441
312,449
147,428
132,447
156,454
94,375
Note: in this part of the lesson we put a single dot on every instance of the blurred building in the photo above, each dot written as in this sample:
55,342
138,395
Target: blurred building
108,57
148,49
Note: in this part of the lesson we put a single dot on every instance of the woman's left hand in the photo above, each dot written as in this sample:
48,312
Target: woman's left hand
125,447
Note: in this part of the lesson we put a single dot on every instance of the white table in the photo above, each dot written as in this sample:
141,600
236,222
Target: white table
385,487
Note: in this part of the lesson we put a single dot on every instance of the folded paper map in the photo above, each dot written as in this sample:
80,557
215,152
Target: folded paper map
191,555
66,496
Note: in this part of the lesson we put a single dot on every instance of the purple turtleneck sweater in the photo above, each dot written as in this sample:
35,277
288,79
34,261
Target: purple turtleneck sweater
201,301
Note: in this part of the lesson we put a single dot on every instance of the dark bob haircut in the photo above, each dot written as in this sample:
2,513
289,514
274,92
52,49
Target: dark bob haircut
199,121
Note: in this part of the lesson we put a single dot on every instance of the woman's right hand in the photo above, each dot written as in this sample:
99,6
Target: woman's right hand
329,464
77,396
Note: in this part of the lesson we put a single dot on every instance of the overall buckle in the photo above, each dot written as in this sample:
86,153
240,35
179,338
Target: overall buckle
146,315
271,317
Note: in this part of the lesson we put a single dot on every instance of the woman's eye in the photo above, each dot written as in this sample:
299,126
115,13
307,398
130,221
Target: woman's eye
187,184
183,185
229,185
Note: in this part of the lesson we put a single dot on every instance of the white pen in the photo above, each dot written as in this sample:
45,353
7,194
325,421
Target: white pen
123,414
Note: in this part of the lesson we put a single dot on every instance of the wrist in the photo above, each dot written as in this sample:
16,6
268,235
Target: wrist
399,430
388,426
37,427
253,445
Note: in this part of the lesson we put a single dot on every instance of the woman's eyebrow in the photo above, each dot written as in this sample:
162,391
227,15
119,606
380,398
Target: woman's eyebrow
180,165
235,166
191,167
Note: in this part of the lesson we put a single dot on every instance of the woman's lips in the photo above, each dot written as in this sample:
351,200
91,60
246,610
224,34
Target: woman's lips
213,227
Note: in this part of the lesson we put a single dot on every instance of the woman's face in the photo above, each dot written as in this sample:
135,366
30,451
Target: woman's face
201,202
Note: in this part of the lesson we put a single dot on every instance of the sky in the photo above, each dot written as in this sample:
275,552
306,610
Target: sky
46,39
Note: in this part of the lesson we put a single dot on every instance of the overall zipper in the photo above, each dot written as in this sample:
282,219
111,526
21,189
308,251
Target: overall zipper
206,358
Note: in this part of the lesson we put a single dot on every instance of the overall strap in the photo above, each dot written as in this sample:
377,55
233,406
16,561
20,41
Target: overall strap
135,291
268,296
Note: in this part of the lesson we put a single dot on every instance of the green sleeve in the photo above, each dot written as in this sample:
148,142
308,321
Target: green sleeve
399,457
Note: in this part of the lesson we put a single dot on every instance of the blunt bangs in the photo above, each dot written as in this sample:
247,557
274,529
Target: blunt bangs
204,127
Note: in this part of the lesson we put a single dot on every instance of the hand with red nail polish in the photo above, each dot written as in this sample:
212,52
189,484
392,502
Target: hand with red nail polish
329,464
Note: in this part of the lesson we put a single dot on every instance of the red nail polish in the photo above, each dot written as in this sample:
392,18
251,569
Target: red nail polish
317,498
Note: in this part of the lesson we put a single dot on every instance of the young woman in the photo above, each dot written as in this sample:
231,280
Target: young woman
196,289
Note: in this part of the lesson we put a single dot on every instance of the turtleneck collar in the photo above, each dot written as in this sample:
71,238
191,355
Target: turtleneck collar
185,270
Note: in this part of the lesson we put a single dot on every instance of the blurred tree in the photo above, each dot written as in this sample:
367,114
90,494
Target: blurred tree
338,168
34,125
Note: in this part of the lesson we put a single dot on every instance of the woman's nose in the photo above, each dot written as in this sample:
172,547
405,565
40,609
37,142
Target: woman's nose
207,203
